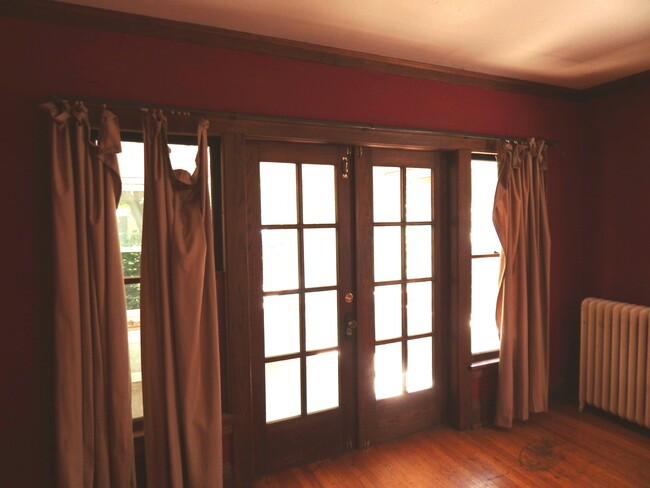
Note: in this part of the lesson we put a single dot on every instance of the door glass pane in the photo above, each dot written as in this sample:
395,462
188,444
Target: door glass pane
484,182
278,193
318,194
322,381
418,195
320,257
388,370
388,312
282,389
419,306
485,287
279,259
418,251
321,320
388,253
419,373
281,325
386,200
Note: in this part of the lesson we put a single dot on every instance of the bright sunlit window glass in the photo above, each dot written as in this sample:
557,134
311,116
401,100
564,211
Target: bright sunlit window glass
282,390
318,187
279,259
388,370
388,253
281,325
386,183
388,312
418,191
419,307
278,193
129,221
299,237
419,375
322,382
419,253
320,257
321,320
486,257
403,254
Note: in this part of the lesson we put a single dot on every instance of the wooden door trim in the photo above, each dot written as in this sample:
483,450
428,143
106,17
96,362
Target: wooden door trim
237,316
460,288
365,370
236,190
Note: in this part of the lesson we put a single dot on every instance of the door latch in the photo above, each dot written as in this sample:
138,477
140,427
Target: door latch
351,325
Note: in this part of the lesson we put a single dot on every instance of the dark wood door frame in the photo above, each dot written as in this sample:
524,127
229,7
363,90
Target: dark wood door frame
457,375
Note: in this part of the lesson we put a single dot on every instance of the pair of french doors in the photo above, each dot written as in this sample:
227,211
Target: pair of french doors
344,252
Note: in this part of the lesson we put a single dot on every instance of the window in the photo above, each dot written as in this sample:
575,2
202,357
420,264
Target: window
485,256
129,221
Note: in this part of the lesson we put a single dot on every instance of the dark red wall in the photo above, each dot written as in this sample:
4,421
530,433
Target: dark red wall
37,60
617,196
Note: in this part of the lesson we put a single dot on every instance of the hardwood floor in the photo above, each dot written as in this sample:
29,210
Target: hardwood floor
560,449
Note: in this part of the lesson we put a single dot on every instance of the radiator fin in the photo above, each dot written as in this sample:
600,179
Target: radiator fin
615,358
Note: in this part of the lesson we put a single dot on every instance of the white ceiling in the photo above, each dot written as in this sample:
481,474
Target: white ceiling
570,43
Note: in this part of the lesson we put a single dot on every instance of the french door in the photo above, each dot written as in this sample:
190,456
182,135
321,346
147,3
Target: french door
344,251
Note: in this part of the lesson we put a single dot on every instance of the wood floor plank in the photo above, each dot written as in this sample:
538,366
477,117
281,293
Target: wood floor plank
562,448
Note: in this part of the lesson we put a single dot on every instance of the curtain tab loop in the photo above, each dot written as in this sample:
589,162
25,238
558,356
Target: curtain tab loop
59,114
80,112
110,139
541,155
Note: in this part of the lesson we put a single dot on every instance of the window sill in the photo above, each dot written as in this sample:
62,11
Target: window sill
483,363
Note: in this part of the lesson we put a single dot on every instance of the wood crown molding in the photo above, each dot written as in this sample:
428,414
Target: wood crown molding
621,84
82,16
56,12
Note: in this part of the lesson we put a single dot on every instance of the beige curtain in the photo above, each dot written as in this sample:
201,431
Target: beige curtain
94,434
521,221
180,345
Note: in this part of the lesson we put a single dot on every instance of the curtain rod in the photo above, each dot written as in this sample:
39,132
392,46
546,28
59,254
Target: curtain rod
181,111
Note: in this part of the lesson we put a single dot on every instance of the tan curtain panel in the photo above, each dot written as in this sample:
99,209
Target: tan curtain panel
94,434
180,345
521,221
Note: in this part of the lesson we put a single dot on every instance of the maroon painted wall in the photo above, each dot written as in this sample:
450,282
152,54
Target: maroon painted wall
38,59
617,197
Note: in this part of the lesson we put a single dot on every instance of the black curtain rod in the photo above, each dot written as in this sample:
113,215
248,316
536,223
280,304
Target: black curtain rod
180,111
